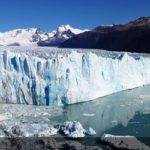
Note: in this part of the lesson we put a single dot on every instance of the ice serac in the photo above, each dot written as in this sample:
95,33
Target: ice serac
49,76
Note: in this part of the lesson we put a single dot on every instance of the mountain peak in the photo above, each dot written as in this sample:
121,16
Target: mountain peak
141,21
63,28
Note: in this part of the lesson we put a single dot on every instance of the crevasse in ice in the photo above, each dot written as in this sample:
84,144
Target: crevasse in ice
48,76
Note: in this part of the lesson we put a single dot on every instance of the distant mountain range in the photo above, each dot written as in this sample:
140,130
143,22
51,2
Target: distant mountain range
38,37
133,37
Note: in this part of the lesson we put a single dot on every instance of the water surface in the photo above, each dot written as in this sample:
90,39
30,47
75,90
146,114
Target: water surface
124,113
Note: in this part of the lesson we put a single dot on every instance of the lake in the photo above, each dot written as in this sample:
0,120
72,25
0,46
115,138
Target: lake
123,113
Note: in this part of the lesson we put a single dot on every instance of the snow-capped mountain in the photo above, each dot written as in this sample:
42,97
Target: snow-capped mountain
38,37
62,34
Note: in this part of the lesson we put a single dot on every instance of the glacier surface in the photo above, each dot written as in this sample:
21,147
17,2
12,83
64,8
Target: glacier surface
49,76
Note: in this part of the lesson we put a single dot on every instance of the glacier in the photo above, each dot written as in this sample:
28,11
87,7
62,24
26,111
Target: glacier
56,76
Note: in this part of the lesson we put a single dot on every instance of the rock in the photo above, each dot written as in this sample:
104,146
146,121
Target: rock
77,146
123,142
16,131
43,144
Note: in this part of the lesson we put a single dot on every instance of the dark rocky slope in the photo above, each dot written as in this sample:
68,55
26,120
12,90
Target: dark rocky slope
132,37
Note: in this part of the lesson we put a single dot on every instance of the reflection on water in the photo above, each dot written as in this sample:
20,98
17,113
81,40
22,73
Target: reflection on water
139,126
124,113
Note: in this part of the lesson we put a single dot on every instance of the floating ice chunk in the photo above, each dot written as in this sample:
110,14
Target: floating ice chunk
46,114
114,121
49,132
27,130
90,131
122,105
3,117
144,96
116,136
88,115
72,129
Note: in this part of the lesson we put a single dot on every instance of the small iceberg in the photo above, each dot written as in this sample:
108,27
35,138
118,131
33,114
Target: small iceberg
72,129
90,131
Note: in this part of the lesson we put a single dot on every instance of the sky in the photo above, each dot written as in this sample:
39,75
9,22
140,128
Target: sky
83,14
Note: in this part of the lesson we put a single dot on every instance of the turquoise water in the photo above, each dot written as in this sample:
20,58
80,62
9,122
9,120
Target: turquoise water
124,113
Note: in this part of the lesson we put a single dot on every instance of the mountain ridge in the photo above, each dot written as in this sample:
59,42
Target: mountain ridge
132,37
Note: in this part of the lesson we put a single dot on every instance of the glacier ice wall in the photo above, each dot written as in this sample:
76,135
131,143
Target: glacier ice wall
48,76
